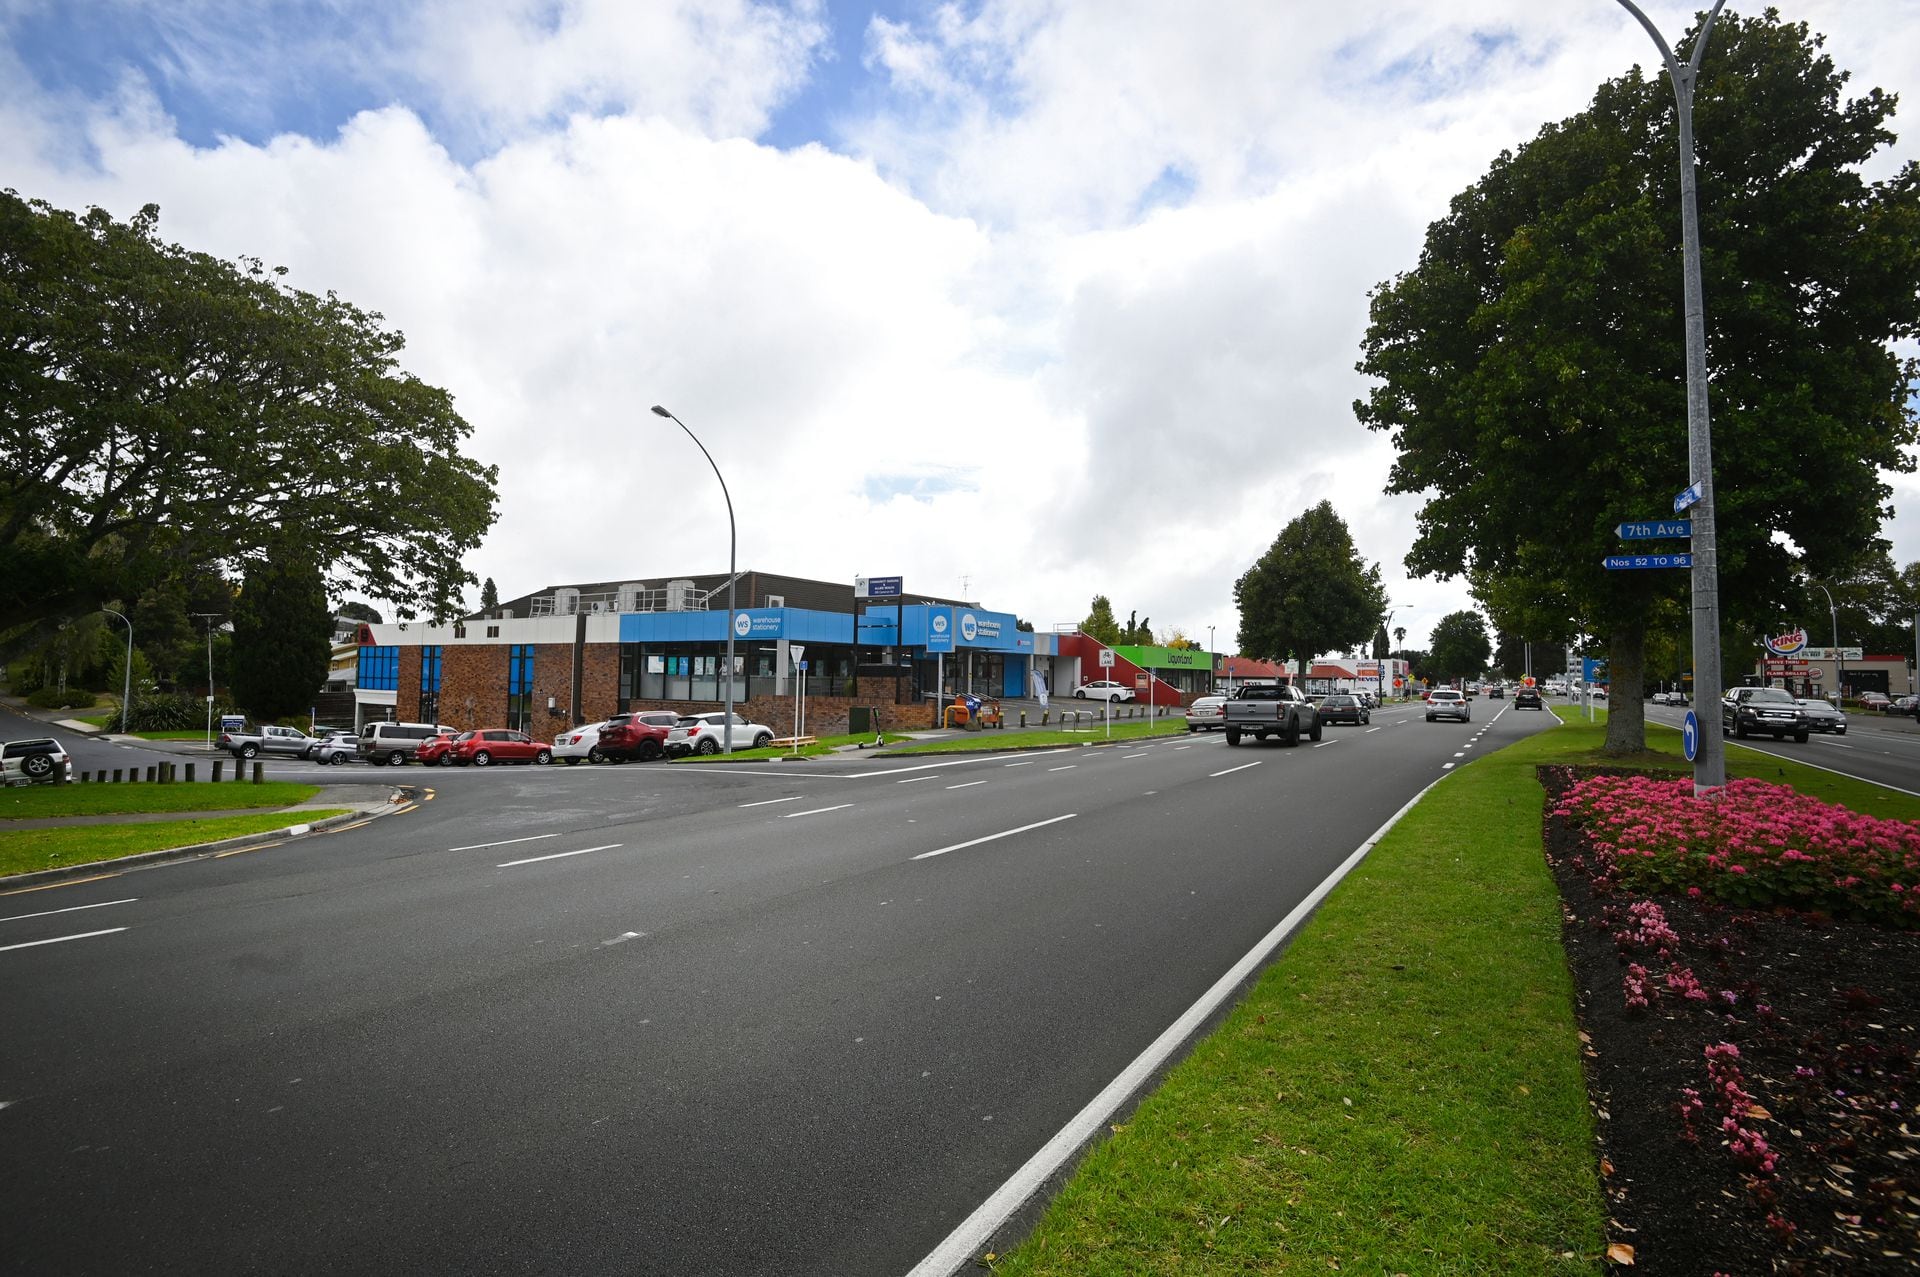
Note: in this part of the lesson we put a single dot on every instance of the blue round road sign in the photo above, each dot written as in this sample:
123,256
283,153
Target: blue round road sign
1690,735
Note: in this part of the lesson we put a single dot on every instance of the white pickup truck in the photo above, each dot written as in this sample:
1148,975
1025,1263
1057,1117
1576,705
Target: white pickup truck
1282,710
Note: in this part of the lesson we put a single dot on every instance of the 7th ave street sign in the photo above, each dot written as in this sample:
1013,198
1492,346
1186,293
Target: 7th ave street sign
1629,562
1653,529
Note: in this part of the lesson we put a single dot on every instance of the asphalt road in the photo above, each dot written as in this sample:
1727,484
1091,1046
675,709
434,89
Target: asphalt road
795,1018
1884,749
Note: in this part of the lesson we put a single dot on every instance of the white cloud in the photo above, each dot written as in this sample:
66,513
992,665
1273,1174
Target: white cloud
1073,309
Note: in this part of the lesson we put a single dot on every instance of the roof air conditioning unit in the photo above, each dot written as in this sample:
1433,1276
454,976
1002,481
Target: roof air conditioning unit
599,605
776,600
680,596
626,598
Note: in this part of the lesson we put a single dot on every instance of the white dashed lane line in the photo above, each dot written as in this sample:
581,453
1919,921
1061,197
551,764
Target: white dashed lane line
768,802
48,913
967,784
975,842
84,935
558,855
794,815
1242,767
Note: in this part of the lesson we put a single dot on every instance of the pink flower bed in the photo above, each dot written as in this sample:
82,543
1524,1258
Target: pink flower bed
1757,846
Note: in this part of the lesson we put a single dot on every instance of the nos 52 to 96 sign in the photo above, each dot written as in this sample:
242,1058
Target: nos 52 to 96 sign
1629,562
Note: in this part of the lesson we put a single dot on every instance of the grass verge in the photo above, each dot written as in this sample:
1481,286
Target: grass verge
29,802
1036,738
27,850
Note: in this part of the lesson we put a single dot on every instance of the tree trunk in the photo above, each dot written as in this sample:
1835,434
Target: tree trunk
1626,674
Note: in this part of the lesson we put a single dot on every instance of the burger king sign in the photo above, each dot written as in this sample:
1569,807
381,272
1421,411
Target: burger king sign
1789,643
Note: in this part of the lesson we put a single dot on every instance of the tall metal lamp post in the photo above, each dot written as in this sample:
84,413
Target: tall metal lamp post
1212,662
208,617
1710,754
726,729
1839,661
126,689
1380,666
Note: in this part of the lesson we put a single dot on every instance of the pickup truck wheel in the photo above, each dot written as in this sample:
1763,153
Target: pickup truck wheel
249,750
1315,733
1800,738
1291,736
1739,730
1233,736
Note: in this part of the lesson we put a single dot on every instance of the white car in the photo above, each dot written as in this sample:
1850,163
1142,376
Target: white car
1103,690
1448,702
706,734
580,742
1205,712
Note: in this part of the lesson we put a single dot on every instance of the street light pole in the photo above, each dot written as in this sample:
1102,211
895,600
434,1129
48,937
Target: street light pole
208,618
1710,756
726,729
126,689
1212,683
1839,661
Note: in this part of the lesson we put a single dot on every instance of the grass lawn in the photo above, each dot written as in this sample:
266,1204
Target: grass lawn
1035,738
1401,1092
36,801
25,850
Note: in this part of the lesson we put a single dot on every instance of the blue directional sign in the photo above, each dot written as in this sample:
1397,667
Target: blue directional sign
1653,529
1690,735
1690,497
1629,562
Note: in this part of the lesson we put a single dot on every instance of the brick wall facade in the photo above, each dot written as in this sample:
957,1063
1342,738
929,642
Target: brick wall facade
473,686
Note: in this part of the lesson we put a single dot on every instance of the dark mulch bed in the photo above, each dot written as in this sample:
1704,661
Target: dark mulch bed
1826,1017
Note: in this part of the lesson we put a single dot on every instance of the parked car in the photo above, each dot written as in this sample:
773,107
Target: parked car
38,761
579,742
492,745
1769,711
335,750
396,743
1448,702
1340,707
1528,698
1875,700
324,734
641,734
1104,689
1908,705
1205,713
1822,717
438,751
705,733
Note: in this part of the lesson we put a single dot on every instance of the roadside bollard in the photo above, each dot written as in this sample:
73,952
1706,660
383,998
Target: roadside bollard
116,775
239,770
218,770
1023,718
258,770
152,774
190,767
1043,717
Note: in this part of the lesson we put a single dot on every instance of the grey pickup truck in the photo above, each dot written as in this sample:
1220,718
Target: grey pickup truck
268,740
1282,711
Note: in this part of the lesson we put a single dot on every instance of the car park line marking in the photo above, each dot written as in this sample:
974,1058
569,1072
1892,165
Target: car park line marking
975,842
768,802
47,913
49,886
1242,767
816,811
84,935
482,846
558,855
967,784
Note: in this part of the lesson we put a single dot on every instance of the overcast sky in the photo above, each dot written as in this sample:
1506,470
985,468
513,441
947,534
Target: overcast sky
1021,300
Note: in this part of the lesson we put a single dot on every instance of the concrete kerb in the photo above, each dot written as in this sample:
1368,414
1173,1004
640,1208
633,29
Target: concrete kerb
399,798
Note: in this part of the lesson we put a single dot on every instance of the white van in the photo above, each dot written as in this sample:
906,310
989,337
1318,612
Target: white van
395,743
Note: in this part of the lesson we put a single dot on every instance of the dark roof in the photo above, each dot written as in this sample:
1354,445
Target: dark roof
752,590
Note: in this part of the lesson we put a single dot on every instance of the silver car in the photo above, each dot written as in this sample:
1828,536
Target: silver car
1447,702
1205,713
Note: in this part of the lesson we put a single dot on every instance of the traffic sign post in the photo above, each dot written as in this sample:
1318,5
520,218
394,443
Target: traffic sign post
1690,735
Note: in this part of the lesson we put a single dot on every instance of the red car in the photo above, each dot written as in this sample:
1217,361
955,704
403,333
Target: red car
641,734
499,745
438,751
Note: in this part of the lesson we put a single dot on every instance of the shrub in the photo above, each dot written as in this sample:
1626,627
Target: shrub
159,713
1756,846
54,698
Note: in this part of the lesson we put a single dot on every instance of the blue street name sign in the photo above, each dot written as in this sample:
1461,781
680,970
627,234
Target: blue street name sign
1690,497
1629,562
1690,735
1653,529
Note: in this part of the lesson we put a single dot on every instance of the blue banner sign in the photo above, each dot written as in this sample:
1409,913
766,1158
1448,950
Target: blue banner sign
1653,529
877,587
1629,562
1689,497
939,629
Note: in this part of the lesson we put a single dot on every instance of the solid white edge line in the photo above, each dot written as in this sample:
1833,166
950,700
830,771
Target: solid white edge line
1242,767
558,855
975,842
768,802
84,935
1728,741
482,846
959,1246
816,811
48,913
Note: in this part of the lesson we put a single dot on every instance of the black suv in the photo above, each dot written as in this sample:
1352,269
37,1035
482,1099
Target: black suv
1527,698
1763,711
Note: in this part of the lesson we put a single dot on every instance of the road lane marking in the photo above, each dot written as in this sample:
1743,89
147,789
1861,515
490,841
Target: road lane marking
481,846
84,935
1323,744
1373,729
1069,767
816,811
967,784
914,780
768,802
1242,767
1447,767
558,855
47,913
975,842
49,886
1025,763
1141,754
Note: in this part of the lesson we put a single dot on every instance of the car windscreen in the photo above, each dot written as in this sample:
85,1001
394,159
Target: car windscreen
1770,696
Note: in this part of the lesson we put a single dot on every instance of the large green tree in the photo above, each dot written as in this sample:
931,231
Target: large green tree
1311,593
1100,622
1460,646
1531,365
282,636
162,410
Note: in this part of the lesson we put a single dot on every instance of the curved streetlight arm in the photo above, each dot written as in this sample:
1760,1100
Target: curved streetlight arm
726,728
1839,662
126,689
